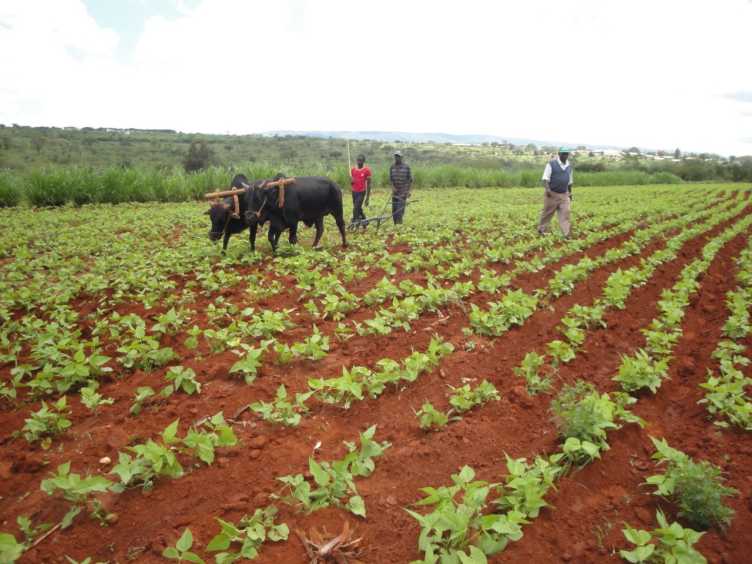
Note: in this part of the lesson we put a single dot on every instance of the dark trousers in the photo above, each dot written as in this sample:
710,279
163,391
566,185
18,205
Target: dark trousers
399,201
358,198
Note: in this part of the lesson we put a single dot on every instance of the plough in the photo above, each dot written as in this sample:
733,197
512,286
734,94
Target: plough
379,219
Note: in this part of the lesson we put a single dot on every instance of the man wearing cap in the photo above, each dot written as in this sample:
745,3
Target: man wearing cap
557,178
360,176
401,179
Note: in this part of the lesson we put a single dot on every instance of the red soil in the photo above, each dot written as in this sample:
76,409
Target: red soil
588,508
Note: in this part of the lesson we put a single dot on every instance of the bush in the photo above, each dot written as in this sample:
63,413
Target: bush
58,186
199,156
10,193
696,487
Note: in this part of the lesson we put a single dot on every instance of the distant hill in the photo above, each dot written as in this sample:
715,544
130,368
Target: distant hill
431,137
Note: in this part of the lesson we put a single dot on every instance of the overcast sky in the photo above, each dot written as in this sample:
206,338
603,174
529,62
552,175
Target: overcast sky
660,74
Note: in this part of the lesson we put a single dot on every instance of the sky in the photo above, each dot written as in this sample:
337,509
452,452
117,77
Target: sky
656,74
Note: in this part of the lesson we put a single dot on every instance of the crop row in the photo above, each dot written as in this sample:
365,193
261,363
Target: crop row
463,531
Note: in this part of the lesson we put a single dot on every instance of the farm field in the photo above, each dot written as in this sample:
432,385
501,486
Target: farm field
150,385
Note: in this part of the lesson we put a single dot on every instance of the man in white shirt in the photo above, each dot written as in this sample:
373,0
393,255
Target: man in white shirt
557,178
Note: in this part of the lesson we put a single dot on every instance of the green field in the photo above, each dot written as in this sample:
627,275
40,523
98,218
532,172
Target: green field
456,375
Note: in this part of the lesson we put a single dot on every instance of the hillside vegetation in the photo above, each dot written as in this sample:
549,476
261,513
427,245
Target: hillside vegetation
53,166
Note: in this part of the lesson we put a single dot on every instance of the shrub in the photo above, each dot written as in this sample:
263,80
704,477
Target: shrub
696,487
199,156
10,193
584,416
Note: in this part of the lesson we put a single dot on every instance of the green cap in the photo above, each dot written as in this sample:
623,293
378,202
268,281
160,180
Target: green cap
565,150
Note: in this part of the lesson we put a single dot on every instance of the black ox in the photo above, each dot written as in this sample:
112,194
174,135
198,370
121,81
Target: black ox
308,199
223,221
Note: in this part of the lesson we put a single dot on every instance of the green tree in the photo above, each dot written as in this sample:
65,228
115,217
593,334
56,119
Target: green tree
199,156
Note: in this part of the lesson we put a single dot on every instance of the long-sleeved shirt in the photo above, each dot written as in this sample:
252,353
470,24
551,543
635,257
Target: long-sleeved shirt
400,177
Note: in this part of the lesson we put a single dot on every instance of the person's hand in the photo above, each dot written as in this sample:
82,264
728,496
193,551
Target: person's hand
548,192
366,203
571,198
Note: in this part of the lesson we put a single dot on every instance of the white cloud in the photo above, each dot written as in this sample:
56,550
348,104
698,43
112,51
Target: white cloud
647,73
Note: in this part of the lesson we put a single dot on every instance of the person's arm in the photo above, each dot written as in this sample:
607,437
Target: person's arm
368,187
391,176
571,181
547,178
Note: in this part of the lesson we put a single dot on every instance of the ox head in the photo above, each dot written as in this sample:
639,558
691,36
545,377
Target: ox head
258,199
239,181
219,213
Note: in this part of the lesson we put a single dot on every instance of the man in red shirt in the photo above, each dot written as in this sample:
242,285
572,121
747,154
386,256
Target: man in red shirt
360,180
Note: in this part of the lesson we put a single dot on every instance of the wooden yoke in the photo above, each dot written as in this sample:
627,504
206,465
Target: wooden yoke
224,193
281,183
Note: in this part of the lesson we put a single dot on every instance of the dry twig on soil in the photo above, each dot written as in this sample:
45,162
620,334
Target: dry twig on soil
342,549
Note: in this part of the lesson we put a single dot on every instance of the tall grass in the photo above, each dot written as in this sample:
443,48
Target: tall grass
59,185
10,192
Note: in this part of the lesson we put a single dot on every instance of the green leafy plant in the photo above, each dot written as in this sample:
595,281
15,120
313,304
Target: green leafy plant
93,399
181,378
314,347
583,417
661,338
526,484
248,365
530,370
250,532
561,352
141,350
10,549
641,371
492,282
204,438
429,417
670,542
457,528
191,341
334,481
47,422
143,393
696,487
726,394
283,410
341,391
618,288
361,459
589,317
464,398
79,369
150,460
29,531
77,490
513,309
182,549
170,322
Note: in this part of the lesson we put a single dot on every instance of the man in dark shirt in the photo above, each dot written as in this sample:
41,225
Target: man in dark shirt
401,179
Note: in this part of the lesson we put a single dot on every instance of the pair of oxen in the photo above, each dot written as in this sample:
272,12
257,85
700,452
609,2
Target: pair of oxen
283,205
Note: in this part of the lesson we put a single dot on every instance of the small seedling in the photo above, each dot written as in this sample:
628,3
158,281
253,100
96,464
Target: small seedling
182,549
